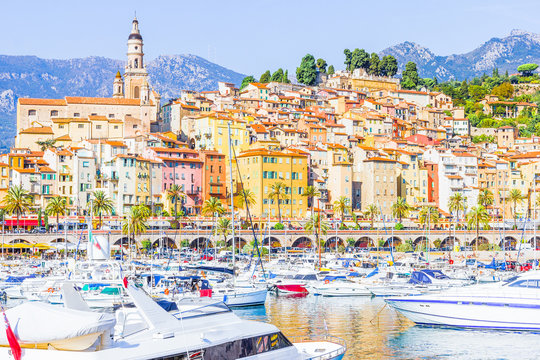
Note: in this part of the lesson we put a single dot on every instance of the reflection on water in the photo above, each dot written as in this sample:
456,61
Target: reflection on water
375,331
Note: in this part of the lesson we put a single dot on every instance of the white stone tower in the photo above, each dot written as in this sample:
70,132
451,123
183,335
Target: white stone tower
135,76
118,86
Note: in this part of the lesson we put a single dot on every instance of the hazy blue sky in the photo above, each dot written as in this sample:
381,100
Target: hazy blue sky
254,35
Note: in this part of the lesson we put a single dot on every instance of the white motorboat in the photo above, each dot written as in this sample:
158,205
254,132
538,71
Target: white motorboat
511,305
199,330
340,287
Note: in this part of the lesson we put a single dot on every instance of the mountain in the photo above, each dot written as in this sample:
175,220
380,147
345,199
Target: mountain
506,53
30,76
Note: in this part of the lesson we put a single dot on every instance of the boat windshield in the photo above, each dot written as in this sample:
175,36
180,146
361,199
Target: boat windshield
535,284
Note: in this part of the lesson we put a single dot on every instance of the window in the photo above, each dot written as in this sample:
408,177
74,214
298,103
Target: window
31,112
86,164
54,112
98,127
80,126
76,115
115,127
111,116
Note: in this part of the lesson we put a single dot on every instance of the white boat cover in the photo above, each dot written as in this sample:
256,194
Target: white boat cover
40,323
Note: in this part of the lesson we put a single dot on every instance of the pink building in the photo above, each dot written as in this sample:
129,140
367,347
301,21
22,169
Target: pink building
181,167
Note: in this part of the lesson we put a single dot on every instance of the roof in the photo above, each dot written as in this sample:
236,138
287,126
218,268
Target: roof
102,101
38,130
44,102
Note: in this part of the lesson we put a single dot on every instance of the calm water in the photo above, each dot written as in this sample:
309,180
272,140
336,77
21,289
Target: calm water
375,331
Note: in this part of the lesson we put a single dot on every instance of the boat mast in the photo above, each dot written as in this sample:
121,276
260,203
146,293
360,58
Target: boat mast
232,201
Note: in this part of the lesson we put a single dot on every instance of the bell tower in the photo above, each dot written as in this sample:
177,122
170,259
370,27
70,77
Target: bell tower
118,86
136,76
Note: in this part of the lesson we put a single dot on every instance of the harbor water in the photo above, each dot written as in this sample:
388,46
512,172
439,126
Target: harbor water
375,331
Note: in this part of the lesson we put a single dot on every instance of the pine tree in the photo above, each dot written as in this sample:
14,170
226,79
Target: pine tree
286,77
331,70
307,72
277,76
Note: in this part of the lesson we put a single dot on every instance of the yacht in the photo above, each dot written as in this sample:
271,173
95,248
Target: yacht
509,305
340,287
197,330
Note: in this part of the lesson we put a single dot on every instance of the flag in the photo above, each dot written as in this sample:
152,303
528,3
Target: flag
12,339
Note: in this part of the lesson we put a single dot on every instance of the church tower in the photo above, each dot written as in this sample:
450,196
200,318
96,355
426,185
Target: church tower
118,86
135,76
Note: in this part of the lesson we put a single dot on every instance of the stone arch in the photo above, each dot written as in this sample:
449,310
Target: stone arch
392,241
165,242
19,241
58,240
274,242
481,240
363,242
122,241
532,242
239,242
450,241
201,242
508,242
302,242
332,241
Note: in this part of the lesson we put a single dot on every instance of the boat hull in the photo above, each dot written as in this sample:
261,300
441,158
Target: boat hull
292,288
481,313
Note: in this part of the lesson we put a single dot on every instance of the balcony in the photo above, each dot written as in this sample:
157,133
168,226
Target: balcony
216,183
192,192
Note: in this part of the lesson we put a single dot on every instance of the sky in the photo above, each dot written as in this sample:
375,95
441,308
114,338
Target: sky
255,35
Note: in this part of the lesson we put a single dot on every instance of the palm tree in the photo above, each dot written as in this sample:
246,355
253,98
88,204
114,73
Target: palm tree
341,207
356,219
175,194
372,212
213,206
515,197
312,226
135,221
224,226
278,190
56,206
478,215
428,215
400,208
18,201
101,204
457,204
245,196
485,198
311,192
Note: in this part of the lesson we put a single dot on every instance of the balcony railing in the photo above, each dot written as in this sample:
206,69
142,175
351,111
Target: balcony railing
192,192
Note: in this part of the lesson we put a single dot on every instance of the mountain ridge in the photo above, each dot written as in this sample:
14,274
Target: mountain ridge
505,53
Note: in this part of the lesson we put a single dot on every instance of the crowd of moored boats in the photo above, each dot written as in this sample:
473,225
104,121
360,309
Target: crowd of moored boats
181,308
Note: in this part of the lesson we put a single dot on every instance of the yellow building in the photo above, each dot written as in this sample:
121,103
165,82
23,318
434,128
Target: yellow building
262,168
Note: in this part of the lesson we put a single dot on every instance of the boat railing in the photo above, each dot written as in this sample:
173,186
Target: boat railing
329,338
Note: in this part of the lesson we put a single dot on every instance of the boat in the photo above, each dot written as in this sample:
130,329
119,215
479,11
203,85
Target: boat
509,305
340,287
199,329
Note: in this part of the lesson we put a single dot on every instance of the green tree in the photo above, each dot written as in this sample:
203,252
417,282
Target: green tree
374,64
46,144
477,92
311,192
360,59
456,203
527,69
175,195
286,77
55,207
265,77
321,65
400,208
17,201
503,91
331,70
307,72
372,212
278,191
410,75
246,81
348,59
245,196
101,205
224,228
214,207
428,215
277,76
313,225
388,66
476,216
485,198
341,207
516,197
135,222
